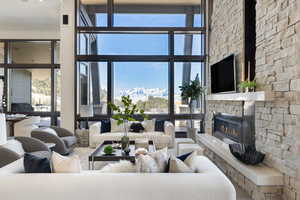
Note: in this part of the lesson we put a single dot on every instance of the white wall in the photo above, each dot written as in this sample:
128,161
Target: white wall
34,34
67,65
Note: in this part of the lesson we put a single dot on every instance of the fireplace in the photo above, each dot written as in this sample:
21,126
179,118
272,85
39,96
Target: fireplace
239,129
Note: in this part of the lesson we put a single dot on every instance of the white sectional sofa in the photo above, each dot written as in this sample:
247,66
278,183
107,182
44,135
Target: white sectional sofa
160,139
208,184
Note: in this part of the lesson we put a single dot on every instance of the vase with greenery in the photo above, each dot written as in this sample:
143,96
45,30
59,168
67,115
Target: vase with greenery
124,115
248,86
190,93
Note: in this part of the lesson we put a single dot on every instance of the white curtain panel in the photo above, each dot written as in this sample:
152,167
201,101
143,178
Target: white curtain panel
3,134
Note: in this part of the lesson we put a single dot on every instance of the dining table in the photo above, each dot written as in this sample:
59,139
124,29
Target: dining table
11,120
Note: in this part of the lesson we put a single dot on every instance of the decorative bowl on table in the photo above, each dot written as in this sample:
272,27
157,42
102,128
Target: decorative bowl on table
247,154
109,150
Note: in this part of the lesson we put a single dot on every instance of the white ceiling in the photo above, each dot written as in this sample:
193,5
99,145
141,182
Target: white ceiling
29,15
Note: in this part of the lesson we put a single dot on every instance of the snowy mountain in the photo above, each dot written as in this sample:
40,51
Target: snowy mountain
143,93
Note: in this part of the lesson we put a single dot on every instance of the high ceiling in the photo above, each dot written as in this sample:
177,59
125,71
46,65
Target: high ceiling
157,2
29,15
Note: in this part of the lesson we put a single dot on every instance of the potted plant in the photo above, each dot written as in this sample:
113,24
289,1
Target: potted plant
123,116
248,86
190,93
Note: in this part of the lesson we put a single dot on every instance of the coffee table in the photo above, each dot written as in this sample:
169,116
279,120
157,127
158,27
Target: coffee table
99,155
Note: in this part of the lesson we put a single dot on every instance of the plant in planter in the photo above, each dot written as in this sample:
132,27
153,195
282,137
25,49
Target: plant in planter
124,115
191,92
108,150
248,86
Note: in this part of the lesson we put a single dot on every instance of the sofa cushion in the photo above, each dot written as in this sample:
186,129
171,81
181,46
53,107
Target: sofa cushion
115,127
63,164
15,146
36,164
69,140
160,125
41,154
105,126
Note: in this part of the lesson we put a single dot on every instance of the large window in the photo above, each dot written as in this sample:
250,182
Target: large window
145,82
30,78
142,48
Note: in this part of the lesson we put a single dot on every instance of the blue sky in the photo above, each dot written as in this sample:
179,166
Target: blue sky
130,75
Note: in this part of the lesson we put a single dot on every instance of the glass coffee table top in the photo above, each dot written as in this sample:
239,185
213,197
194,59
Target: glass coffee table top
119,154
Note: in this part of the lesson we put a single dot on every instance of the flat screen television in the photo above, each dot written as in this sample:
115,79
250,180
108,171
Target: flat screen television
223,76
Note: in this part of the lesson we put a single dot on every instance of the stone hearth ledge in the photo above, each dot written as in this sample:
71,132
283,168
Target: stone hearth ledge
260,175
247,96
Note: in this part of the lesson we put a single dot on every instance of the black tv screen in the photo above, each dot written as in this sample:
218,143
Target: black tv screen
223,76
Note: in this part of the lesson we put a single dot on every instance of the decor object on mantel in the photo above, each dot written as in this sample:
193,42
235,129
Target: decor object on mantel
246,154
191,92
123,116
248,86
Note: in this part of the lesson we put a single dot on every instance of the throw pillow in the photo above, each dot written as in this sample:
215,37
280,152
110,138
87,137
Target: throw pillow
189,161
124,166
137,128
115,127
36,164
161,158
146,164
181,157
63,164
105,126
177,166
149,125
160,125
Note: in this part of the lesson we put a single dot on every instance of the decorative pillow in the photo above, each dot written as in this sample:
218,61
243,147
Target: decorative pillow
146,164
189,161
105,126
115,127
149,125
123,166
177,166
161,158
62,164
15,146
137,128
36,164
160,125
181,157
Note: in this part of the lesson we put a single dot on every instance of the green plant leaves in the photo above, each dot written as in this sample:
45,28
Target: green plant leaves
127,113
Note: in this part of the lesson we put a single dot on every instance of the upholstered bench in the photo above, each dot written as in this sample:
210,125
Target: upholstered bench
186,148
182,141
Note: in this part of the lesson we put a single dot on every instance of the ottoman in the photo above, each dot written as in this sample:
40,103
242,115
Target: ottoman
182,141
187,148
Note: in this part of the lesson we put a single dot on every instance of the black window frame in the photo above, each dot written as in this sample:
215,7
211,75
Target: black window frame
170,58
52,66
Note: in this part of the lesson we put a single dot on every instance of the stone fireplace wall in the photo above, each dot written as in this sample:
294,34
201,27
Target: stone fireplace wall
277,70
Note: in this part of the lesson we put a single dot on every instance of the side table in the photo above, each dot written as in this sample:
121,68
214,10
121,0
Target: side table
83,139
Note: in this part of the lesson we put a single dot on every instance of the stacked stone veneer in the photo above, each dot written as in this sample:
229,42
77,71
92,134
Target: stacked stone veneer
277,70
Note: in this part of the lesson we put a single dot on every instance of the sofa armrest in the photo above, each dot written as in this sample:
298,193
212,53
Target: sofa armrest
7,156
62,132
32,144
95,129
169,129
